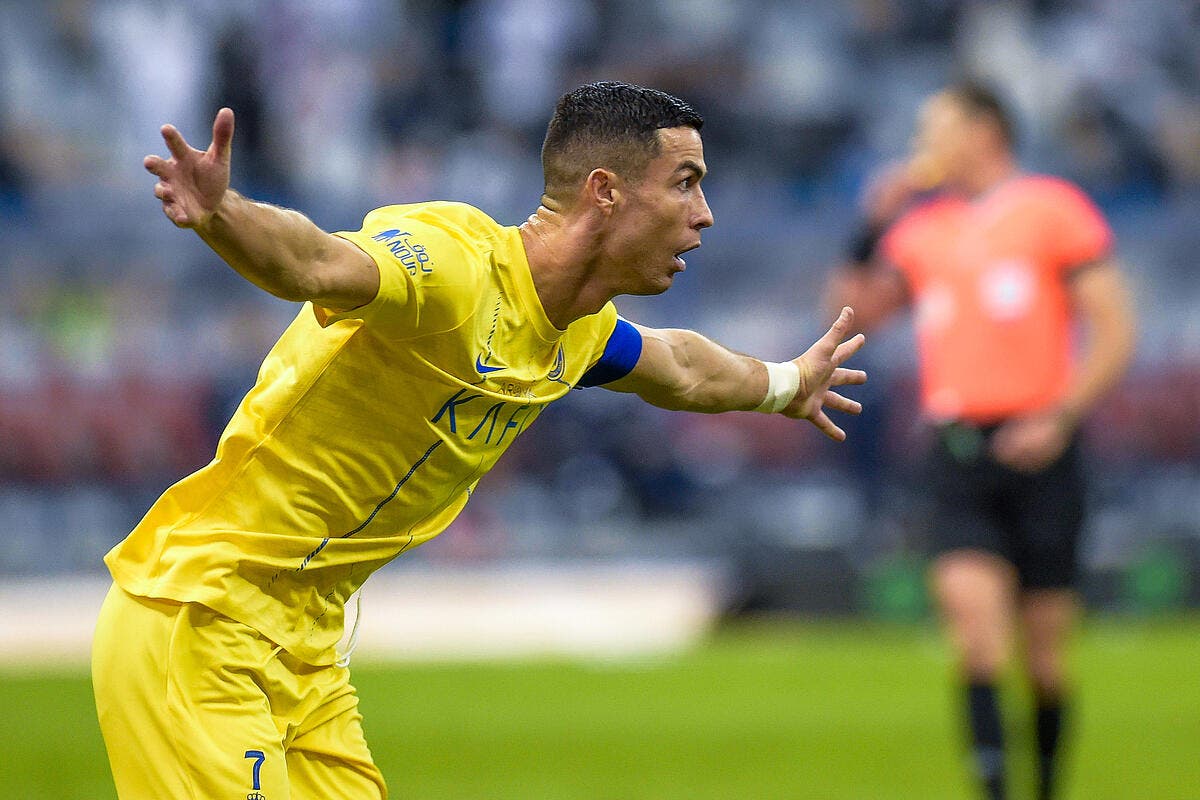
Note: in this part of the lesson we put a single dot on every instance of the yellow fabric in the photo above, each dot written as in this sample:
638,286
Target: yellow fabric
193,706
366,431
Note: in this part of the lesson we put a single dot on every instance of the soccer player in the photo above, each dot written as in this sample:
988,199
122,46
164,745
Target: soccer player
1000,265
428,340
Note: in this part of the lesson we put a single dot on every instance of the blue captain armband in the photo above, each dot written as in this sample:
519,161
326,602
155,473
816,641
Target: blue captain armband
621,355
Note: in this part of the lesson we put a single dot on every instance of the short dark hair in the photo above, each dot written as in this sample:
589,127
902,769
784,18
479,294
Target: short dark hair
608,124
980,99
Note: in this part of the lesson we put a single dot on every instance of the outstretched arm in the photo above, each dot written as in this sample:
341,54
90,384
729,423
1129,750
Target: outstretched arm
276,249
684,371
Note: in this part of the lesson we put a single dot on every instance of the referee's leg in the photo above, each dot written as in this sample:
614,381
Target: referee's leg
976,593
1050,508
1048,616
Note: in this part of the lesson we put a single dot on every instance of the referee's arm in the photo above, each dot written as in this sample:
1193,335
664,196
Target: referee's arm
1100,300
1103,304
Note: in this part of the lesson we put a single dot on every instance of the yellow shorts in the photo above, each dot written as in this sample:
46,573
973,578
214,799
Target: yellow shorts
194,705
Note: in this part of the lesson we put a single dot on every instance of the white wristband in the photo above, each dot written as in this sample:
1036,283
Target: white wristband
783,381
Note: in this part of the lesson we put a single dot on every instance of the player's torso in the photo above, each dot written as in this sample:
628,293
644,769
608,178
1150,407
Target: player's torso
377,438
365,432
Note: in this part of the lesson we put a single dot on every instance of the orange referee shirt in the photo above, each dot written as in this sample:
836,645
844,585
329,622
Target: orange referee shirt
988,278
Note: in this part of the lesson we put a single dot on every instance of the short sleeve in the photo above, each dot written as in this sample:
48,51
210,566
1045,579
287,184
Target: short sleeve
427,274
1077,233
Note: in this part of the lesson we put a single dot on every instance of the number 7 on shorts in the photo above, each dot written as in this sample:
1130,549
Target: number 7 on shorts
259,757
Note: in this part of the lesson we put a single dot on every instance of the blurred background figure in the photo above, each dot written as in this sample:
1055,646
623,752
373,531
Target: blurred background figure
416,100
1002,267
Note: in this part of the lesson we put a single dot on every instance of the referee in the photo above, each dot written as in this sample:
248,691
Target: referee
1001,267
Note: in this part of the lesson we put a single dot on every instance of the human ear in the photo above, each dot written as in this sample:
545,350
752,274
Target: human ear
601,189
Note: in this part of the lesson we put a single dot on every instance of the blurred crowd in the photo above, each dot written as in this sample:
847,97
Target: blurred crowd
124,344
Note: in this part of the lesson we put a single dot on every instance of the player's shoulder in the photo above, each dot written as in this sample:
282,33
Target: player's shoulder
460,220
452,234
461,216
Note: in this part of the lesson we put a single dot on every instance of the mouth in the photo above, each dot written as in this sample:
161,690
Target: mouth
679,262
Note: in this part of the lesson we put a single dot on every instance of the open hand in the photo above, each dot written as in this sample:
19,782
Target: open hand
192,182
820,369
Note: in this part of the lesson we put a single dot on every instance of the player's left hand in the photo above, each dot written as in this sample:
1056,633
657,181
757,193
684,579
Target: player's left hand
191,183
820,370
1031,443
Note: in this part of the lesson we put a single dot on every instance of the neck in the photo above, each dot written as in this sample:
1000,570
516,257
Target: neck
989,174
561,251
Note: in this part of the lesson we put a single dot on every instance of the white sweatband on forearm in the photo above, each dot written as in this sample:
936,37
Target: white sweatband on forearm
783,381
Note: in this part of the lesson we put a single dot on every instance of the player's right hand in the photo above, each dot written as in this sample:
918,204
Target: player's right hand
192,182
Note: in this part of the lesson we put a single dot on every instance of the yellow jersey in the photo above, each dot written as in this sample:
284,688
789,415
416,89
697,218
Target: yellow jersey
367,430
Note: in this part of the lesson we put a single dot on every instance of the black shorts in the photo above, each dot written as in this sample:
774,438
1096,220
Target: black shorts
1033,520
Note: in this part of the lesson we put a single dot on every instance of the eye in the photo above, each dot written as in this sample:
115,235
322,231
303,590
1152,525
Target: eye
687,182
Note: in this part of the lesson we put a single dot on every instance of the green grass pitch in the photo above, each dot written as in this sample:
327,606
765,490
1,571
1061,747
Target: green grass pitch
779,709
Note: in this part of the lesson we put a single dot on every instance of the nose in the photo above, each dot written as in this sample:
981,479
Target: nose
704,216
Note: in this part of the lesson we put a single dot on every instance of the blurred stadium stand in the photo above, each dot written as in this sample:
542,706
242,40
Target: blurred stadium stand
125,344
